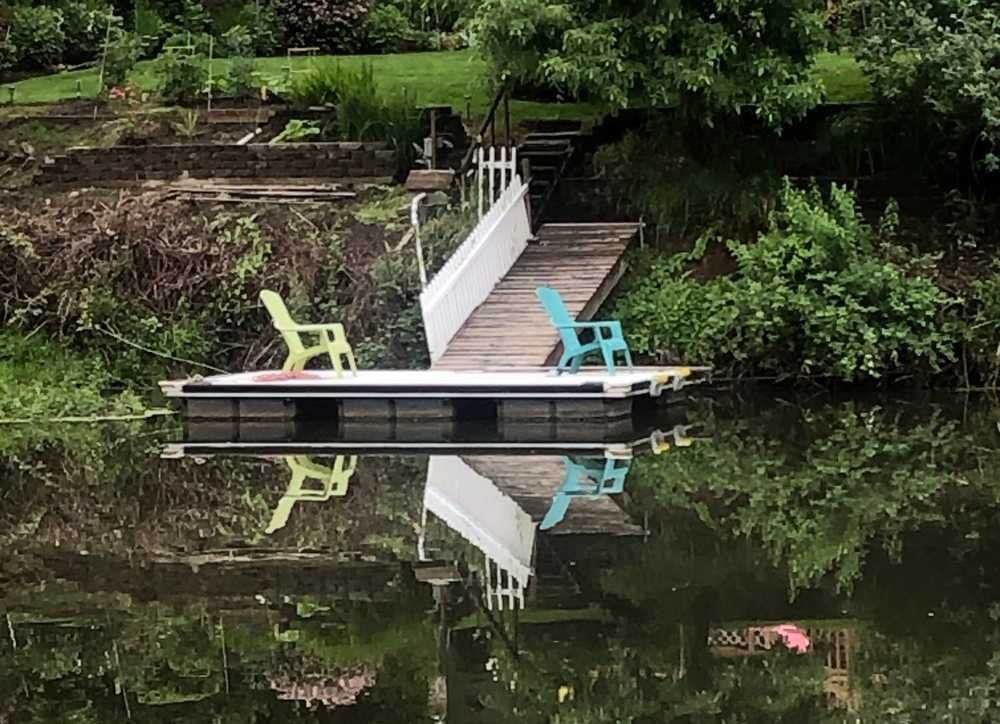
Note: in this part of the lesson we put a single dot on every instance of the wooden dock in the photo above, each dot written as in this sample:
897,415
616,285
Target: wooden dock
511,329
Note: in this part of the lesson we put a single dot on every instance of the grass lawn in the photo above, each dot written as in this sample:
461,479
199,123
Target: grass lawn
432,78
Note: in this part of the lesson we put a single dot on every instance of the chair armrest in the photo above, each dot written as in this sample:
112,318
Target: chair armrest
615,327
311,327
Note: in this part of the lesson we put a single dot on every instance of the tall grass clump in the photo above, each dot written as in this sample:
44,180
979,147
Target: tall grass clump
363,112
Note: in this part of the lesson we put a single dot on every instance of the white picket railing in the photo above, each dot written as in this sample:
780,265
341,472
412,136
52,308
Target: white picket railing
495,172
468,277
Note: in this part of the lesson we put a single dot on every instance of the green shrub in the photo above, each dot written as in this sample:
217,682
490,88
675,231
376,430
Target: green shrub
297,130
264,25
225,15
183,78
42,379
441,16
150,26
335,26
123,52
37,32
241,78
983,332
193,17
935,65
819,292
86,27
200,43
235,42
388,28
319,86
363,113
724,183
8,52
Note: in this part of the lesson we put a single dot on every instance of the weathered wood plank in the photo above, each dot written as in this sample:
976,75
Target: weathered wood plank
582,261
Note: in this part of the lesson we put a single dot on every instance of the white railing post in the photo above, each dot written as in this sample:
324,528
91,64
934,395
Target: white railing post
493,177
481,158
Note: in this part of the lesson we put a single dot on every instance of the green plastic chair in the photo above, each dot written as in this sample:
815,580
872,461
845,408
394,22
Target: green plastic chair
608,336
333,340
335,481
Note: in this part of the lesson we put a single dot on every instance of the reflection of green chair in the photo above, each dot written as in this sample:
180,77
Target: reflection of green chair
588,477
608,337
333,340
335,481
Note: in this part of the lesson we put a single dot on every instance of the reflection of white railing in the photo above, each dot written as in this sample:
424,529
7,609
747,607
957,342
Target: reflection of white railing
502,589
477,510
468,277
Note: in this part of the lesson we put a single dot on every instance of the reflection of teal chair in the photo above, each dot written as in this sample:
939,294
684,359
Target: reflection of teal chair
608,337
589,477
335,481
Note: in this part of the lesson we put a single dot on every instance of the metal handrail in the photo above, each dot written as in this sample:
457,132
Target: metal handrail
502,96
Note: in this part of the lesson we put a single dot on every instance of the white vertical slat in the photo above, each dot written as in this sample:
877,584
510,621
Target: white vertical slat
482,201
503,169
489,581
493,181
487,254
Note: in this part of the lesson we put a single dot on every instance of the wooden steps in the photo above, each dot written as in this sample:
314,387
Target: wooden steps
582,261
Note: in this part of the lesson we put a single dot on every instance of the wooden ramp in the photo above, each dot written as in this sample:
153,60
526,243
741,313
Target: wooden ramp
510,329
532,483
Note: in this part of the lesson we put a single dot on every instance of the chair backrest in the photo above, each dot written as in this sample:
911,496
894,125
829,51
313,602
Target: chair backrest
560,316
281,319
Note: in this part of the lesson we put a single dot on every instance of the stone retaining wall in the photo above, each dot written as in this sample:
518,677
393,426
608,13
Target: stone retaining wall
286,160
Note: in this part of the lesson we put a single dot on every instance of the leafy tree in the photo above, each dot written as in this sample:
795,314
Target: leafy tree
712,56
938,63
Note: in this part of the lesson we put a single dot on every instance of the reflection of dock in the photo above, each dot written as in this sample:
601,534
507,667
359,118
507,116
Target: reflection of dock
534,486
497,502
619,439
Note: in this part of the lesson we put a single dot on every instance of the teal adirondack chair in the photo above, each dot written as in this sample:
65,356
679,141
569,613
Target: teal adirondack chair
585,477
608,338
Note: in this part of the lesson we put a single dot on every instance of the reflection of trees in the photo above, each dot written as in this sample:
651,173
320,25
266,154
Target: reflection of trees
117,497
210,659
815,487
600,675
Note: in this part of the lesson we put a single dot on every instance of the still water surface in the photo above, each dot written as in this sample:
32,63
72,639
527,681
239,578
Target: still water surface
776,560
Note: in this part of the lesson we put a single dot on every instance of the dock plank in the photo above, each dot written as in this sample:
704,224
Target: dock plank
582,261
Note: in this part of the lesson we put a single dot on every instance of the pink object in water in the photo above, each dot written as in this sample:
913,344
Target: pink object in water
286,376
794,638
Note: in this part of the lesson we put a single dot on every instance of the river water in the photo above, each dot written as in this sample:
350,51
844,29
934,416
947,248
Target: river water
758,558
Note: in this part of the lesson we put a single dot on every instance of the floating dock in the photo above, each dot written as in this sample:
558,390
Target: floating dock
504,394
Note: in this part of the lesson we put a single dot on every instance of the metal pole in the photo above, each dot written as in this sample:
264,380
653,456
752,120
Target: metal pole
434,138
506,116
415,220
104,60
211,49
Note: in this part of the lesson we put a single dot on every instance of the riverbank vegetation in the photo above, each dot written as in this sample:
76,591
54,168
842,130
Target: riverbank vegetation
142,286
